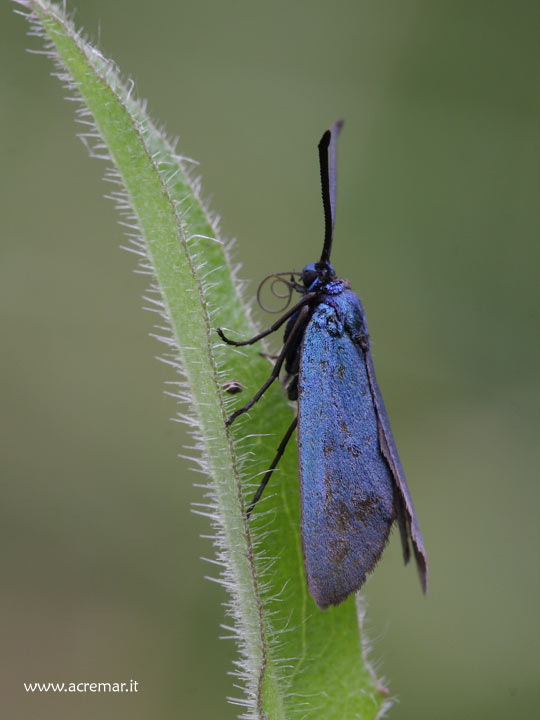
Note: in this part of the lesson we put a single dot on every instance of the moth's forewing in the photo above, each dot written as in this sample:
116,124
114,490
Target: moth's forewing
346,486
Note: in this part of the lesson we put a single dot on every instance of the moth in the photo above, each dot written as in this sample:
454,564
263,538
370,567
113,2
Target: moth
352,484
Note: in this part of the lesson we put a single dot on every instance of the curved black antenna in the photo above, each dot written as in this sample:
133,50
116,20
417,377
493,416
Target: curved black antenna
325,186
327,162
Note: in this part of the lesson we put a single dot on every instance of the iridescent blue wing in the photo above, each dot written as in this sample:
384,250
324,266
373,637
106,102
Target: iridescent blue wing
352,486
346,486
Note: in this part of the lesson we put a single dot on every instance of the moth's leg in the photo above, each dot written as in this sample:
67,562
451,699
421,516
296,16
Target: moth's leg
266,478
277,367
303,302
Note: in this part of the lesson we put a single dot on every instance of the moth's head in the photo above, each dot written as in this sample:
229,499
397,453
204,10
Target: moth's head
317,274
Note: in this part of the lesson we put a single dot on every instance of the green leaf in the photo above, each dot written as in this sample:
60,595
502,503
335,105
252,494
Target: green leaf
295,659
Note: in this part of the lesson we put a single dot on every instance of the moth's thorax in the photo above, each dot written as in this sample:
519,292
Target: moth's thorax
335,287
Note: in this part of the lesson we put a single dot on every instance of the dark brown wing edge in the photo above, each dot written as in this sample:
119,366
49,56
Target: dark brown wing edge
406,516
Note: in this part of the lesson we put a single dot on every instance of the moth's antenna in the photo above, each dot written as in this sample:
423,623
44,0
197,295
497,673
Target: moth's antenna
327,162
325,186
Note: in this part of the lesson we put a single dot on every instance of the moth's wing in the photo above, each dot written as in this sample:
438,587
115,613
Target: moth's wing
346,487
388,447
407,519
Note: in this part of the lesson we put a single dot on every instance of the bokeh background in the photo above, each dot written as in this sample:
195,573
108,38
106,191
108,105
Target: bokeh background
438,231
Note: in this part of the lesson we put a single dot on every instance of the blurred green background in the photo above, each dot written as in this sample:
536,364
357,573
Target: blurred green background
438,231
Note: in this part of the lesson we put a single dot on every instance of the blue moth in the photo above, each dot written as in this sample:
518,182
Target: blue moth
352,485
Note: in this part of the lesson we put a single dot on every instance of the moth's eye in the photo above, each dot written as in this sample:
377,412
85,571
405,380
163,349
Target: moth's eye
309,275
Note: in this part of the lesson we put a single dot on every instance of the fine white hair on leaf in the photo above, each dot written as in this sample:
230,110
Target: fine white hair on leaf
170,167
177,182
